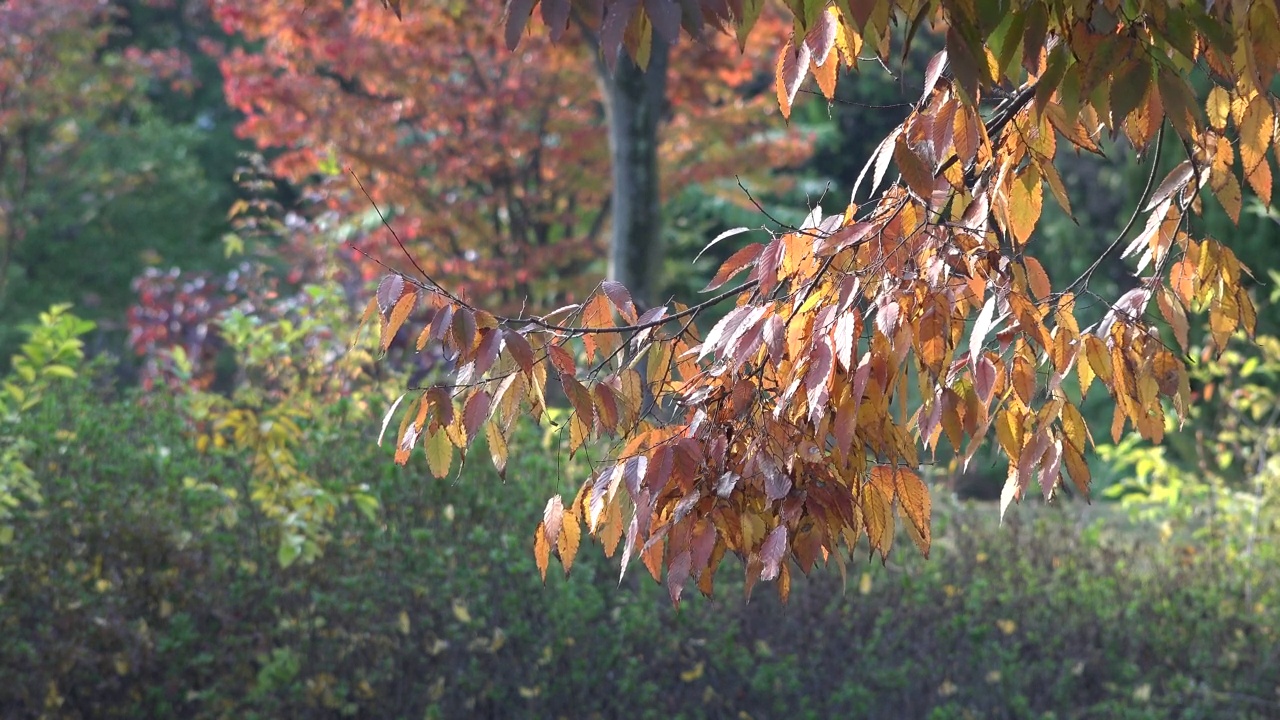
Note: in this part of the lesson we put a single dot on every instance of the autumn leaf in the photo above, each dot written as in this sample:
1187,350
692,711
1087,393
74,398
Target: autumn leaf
772,552
793,63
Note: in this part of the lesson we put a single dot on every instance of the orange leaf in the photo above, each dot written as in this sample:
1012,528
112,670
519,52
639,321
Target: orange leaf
570,538
793,61
541,551
1037,278
399,314
1026,200
913,499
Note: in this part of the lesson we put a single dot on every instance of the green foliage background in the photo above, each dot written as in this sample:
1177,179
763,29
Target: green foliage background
145,583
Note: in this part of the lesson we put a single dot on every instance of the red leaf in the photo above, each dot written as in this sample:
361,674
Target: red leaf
678,575
580,398
487,352
734,265
633,470
723,330
817,380
621,299
562,360
520,349
475,413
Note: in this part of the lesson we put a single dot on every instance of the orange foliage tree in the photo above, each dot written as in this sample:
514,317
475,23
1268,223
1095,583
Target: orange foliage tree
915,319
495,163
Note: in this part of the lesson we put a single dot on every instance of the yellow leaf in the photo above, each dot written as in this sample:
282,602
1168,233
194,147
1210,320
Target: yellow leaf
404,623
570,538
460,612
1099,358
752,531
1074,426
497,447
541,550
864,584
611,529
694,672
877,511
439,454
1218,107
1256,129
1077,468
1008,627
1223,180
1026,200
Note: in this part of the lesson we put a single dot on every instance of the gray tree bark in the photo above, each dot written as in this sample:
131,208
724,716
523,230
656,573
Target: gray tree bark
634,103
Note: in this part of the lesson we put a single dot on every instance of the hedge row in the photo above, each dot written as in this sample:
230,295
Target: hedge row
145,585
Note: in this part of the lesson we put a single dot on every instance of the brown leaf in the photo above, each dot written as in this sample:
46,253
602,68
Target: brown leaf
678,575
517,16
390,289
580,398
617,15
772,552
877,513
464,330
541,551
555,14
1037,278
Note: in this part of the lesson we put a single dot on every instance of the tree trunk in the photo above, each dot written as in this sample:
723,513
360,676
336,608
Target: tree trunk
634,103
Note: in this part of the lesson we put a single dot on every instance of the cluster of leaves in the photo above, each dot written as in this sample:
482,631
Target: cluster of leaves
52,353
915,319
1222,483
492,162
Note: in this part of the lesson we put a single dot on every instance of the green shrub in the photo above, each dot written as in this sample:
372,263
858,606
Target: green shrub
147,585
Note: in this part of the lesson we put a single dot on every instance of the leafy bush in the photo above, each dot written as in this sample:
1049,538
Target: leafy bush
147,585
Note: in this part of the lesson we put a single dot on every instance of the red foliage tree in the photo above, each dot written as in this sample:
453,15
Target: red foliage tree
495,162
